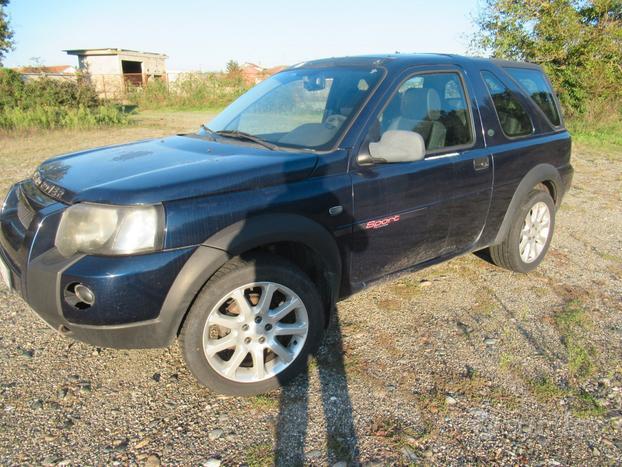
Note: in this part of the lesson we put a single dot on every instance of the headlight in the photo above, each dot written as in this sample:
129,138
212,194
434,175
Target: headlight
110,230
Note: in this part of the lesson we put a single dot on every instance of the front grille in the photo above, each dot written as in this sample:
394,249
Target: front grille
25,213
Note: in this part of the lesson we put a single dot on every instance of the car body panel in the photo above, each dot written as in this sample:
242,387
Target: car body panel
160,170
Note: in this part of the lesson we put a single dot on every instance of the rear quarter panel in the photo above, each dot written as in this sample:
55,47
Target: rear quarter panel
513,158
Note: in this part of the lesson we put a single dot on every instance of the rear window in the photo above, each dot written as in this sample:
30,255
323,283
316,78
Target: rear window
513,117
537,86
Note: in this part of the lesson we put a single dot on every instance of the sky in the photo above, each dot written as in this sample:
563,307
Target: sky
205,34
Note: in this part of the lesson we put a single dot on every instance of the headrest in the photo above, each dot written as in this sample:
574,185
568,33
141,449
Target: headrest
421,104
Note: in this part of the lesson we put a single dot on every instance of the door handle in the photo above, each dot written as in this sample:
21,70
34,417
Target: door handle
481,163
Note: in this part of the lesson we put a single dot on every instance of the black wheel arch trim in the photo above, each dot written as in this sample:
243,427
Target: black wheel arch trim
539,174
265,229
237,239
202,265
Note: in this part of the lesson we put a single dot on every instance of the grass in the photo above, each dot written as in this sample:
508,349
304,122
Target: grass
260,455
570,322
507,362
339,448
585,405
397,432
605,135
264,402
15,118
546,390
580,359
570,317
191,91
609,257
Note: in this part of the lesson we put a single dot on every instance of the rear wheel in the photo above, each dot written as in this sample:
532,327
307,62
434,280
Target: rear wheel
253,326
529,236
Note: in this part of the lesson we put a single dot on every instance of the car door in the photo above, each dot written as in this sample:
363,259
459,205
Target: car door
403,211
473,176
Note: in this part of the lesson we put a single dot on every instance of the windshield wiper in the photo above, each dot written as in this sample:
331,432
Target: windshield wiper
248,137
209,132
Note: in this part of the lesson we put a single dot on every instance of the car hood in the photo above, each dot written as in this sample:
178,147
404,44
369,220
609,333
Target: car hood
160,170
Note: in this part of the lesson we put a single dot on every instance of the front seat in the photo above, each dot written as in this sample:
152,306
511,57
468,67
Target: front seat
420,110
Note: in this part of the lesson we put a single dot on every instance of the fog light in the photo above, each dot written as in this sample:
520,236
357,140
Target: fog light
79,296
84,294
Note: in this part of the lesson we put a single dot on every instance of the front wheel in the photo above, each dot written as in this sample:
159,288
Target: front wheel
252,326
529,236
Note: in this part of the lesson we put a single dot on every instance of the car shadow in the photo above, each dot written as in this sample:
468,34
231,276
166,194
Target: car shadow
294,414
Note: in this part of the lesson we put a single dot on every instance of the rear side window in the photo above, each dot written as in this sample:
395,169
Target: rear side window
514,119
536,85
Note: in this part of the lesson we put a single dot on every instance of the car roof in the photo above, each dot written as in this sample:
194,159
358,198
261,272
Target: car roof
404,60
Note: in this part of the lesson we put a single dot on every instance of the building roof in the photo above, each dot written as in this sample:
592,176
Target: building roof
54,69
110,51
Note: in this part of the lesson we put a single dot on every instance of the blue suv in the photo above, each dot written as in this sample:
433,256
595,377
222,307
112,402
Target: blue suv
240,238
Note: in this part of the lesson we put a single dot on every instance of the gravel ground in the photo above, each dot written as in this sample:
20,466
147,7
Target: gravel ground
460,363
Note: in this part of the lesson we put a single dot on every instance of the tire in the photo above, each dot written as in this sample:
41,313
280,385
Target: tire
508,253
227,313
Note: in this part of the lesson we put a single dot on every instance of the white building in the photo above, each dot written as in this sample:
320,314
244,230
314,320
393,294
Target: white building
112,70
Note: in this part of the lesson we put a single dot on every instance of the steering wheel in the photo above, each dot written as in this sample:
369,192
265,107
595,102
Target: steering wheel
334,121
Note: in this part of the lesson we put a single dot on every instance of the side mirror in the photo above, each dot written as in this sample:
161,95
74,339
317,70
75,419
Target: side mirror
398,146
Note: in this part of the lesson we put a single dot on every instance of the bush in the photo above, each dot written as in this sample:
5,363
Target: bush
188,91
63,93
49,117
11,88
51,103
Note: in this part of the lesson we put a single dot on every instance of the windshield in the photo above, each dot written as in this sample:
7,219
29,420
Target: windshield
304,108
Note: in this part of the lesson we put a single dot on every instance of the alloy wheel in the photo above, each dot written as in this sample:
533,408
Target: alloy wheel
535,232
255,332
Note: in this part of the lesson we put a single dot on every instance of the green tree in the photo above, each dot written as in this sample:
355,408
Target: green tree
233,68
234,72
578,42
6,33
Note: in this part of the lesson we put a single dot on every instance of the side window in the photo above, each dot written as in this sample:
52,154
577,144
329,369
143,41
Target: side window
536,85
514,119
433,105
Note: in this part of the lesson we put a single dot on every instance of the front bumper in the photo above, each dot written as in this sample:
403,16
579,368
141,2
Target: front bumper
131,292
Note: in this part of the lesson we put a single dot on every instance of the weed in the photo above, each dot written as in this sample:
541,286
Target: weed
607,134
485,304
48,104
389,304
505,398
386,426
546,390
570,321
586,405
580,361
260,455
15,118
189,91
339,447
264,402
571,316
609,257
507,362
434,401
